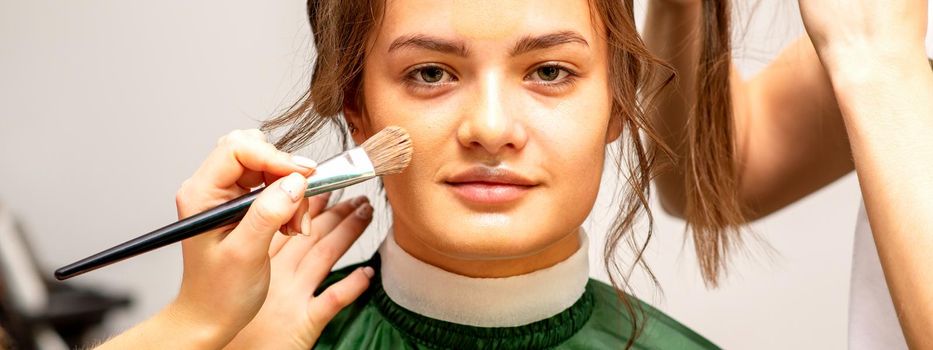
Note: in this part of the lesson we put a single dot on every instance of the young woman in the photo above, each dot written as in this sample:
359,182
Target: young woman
511,107
855,93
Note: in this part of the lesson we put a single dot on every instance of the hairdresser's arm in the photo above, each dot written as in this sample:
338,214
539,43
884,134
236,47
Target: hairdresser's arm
883,82
790,139
171,328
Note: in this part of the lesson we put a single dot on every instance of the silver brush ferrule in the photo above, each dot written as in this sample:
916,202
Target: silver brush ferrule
345,169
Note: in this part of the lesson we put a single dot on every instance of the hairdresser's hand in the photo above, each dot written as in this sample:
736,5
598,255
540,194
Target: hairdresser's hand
292,317
226,271
865,36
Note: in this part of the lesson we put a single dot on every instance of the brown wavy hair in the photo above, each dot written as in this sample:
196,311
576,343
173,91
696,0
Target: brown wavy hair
711,181
340,29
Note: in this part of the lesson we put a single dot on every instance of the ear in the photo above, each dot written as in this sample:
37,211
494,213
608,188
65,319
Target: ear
614,129
353,114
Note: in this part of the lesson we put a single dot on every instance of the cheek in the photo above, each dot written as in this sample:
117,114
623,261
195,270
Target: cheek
577,165
576,148
573,132
432,132
432,137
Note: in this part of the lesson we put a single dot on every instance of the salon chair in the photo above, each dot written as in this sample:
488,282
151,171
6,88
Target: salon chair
37,312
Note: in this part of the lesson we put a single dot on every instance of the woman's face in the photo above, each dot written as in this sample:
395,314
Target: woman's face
507,104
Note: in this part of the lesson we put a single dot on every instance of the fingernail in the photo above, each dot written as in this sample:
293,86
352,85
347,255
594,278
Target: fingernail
304,162
358,201
369,272
306,225
364,212
294,185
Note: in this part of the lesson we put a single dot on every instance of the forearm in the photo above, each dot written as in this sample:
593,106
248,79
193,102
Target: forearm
887,104
171,328
671,32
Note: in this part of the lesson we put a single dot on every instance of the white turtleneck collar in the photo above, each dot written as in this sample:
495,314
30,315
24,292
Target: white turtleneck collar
482,302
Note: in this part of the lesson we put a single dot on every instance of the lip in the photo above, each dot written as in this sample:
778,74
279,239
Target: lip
485,185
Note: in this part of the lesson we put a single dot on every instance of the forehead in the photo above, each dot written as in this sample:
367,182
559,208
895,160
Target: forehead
485,20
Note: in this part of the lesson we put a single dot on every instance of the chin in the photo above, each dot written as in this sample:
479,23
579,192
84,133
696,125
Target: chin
490,236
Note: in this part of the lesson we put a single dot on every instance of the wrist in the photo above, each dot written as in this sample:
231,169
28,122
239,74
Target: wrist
867,60
862,73
188,327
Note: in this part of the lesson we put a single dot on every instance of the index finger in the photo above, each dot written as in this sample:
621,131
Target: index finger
247,150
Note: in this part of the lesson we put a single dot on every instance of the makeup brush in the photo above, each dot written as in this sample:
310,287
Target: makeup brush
385,153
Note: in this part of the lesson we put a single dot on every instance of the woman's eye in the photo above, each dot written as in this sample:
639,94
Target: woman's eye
548,74
430,75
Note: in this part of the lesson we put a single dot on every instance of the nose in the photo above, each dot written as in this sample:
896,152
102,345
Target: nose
488,123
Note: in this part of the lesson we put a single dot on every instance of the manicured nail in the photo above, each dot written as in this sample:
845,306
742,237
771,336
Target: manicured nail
369,272
364,212
304,162
358,201
294,185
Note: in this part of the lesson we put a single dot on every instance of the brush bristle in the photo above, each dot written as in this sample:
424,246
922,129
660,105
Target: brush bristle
389,150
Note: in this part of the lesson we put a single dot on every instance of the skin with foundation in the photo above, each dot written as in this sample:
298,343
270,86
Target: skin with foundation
509,119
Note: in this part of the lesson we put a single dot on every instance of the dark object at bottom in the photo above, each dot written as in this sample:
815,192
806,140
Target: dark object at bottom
36,312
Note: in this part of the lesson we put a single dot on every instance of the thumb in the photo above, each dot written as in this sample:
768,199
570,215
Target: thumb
273,208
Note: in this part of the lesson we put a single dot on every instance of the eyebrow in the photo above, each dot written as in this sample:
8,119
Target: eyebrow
459,48
532,43
430,43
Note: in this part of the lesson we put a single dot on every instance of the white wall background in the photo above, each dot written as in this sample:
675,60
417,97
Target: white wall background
107,106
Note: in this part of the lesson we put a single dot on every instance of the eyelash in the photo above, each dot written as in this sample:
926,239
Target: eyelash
412,78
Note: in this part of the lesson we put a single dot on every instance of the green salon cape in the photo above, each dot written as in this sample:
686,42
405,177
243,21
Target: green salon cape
597,320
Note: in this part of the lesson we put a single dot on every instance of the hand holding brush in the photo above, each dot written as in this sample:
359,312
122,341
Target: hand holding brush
228,268
385,153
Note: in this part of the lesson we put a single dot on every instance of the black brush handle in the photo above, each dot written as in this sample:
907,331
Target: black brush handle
221,215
